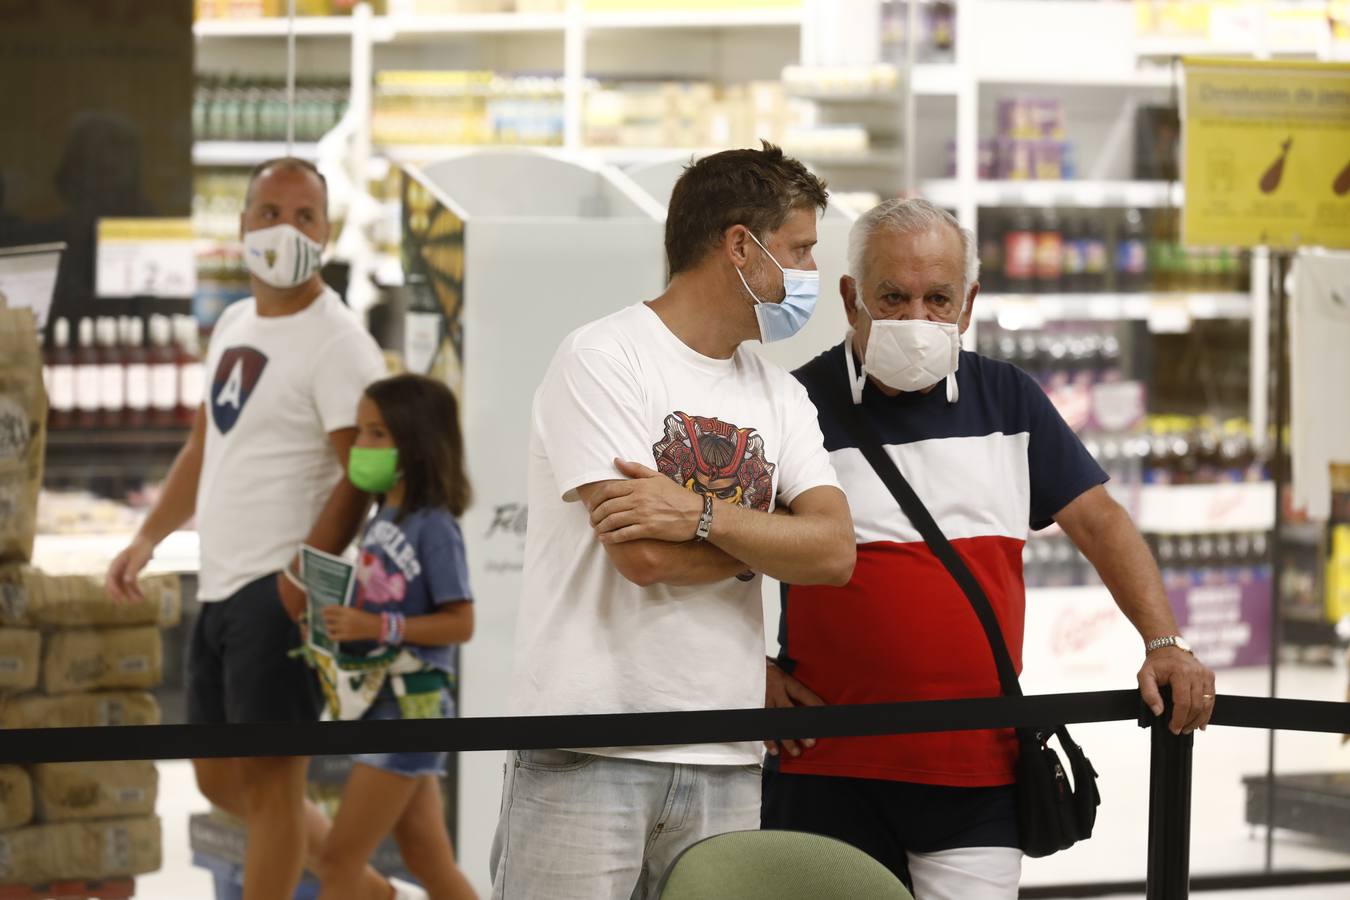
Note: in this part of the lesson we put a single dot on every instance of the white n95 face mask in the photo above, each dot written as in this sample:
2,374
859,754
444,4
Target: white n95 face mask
910,354
281,255
801,288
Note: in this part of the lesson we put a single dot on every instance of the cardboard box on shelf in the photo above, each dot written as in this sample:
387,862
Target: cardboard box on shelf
89,850
79,710
89,659
23,431
20,659
104,790
16,797
31,597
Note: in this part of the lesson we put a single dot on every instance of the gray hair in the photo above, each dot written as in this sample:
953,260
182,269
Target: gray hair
909,217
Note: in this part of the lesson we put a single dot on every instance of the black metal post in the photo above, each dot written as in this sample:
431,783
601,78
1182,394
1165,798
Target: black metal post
1169,809
1279,375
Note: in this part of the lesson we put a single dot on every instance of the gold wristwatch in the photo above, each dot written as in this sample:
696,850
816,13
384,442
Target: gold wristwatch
1171,640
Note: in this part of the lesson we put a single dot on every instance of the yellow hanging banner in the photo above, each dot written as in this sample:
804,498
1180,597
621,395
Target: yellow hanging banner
1267,153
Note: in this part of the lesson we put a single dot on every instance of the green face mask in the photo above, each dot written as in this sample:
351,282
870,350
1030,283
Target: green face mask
373,469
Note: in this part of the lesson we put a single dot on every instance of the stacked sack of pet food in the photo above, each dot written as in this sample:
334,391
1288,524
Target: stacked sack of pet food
68,657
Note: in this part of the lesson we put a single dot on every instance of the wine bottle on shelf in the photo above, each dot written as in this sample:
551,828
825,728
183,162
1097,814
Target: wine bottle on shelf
163,375
190,369
87,396
1075,264
1049,253
991,252
1130,255
138,375
112,384
1019,253
61,386
1094,256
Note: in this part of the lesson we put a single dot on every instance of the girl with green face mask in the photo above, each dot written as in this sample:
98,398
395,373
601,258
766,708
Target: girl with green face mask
398,640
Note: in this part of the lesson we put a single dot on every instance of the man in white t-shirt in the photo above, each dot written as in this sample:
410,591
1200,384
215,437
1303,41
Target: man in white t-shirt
264,470
659,448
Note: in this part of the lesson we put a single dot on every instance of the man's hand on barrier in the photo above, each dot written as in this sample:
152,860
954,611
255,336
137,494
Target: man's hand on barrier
782,691
646,505
1192,686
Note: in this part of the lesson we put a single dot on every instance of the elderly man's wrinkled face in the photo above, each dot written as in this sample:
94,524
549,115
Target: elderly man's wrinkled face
919,275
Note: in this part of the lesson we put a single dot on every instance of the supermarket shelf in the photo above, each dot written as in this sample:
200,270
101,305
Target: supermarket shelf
421,153
83,440
398,28
1206,508
893,96
1089,194
1031,310
246,153
872,159
711,19
86,553
273,27
1152,77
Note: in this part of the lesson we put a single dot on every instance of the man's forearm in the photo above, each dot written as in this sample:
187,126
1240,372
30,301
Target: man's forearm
1118,552
340,520
804,548
686,564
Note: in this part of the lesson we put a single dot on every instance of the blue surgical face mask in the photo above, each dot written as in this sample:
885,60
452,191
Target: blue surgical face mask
779,321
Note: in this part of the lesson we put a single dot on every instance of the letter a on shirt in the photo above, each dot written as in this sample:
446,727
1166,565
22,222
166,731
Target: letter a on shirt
236,376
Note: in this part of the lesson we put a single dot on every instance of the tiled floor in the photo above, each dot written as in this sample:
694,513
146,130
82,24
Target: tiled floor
1221,840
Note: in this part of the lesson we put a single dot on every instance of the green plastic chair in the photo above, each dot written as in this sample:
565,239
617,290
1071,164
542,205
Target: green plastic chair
777,865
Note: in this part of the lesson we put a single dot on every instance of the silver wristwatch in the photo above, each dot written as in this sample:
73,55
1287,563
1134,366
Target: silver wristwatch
1171,640
705,520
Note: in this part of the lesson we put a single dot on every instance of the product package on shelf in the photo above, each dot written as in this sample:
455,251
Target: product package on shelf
29,597
16,797
79,710
89,659
23,431
104,790
20,659
87,850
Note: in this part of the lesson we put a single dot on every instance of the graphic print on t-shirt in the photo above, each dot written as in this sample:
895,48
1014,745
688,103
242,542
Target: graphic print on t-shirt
378,586
236,376
709,456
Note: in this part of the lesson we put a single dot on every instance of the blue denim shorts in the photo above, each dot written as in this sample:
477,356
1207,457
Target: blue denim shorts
410,765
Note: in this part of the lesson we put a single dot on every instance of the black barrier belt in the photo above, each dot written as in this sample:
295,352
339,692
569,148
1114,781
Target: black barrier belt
126,742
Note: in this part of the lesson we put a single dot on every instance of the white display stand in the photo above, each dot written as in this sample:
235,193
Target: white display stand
549,244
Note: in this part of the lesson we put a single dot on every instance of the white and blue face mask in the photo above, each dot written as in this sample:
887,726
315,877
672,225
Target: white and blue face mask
801,288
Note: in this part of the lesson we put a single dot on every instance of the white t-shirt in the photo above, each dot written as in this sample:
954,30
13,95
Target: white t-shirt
277,387
587,639
1319,336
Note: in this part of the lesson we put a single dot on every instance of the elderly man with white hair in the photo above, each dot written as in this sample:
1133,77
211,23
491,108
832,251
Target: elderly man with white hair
990,458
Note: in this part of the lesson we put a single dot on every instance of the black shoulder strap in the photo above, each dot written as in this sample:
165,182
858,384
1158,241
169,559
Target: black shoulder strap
918,514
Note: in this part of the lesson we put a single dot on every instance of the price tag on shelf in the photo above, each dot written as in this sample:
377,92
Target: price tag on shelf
146,258
1016,313
1169,315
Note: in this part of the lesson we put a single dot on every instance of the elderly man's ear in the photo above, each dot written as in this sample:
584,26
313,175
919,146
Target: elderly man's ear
969,314
848,291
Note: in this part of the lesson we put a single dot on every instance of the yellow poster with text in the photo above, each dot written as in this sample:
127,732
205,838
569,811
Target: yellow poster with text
1267,153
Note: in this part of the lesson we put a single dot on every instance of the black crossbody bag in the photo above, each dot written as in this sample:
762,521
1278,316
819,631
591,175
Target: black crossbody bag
1052,814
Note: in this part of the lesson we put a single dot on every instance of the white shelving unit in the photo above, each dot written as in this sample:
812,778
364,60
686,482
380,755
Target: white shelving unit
951,192
247,153
1002,46
1163,310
